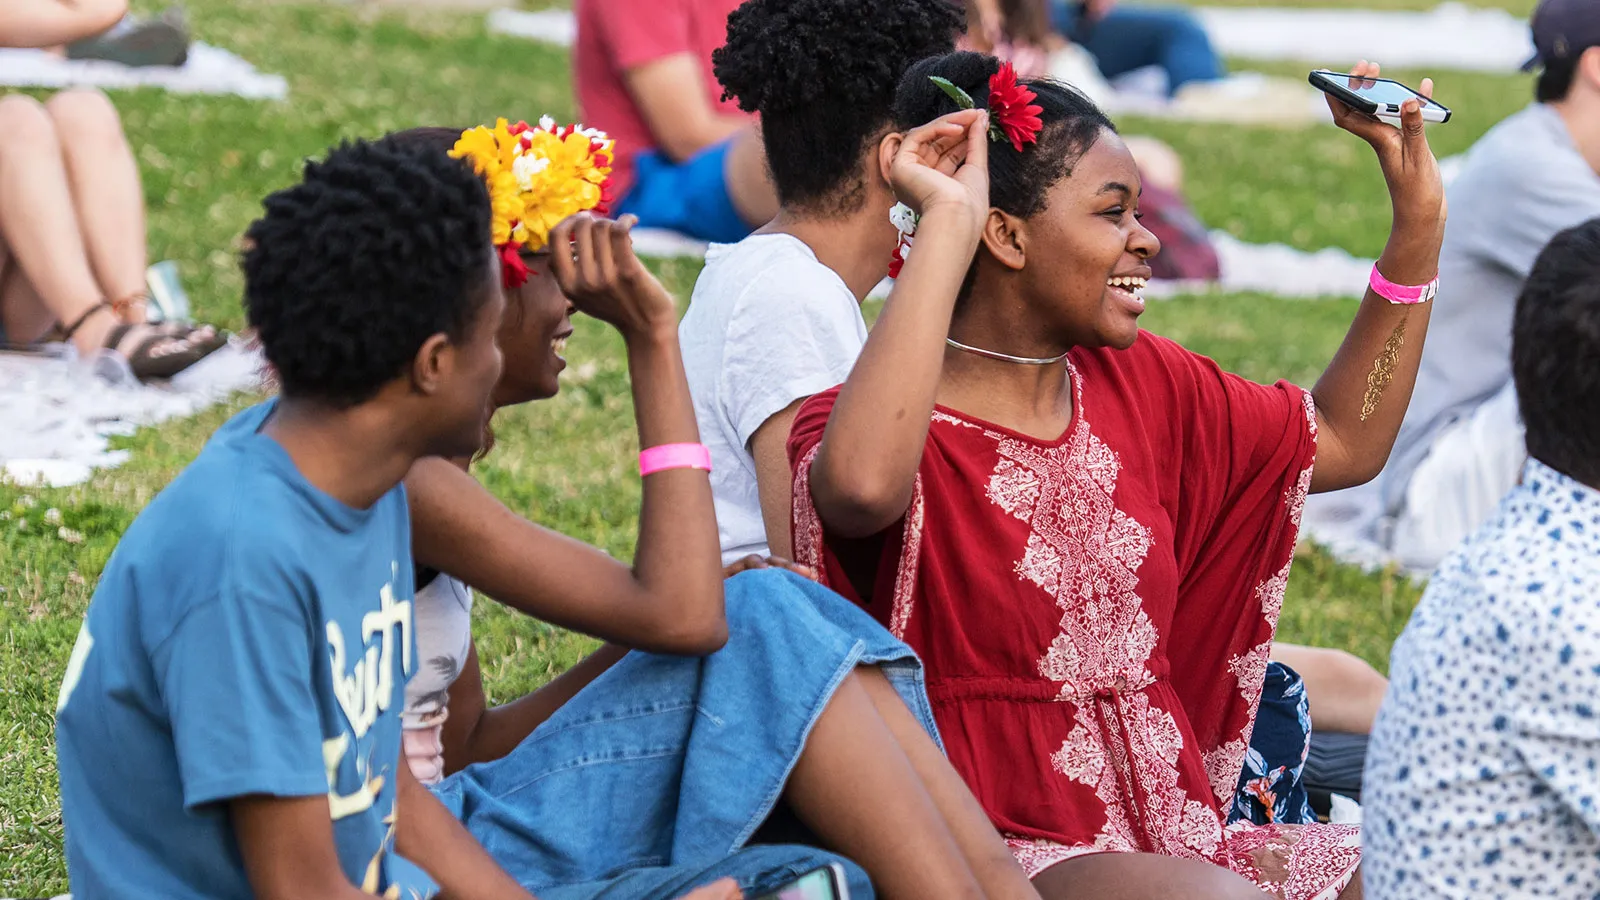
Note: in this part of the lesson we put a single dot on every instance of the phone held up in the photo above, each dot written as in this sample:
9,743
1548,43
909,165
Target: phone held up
826,883
1378,97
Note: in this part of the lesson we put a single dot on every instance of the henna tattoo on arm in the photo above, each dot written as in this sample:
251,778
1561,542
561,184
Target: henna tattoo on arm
1383,370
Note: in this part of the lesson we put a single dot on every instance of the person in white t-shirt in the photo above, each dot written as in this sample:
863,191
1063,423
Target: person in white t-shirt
776,317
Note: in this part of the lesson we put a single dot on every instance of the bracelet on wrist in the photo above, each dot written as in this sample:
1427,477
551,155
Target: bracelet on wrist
1402,294
674,456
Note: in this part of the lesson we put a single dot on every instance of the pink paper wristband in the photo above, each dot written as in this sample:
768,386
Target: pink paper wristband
674,456
1403,294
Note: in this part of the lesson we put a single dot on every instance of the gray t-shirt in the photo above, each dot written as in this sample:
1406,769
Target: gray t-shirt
1521,183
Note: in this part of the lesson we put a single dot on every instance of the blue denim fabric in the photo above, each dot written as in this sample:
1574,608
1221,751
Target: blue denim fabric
674,762
759,870
1132,37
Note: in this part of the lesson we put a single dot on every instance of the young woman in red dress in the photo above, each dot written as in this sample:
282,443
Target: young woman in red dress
1083,529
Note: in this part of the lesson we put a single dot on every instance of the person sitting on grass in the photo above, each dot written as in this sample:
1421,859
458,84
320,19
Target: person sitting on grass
72,220
777,317
850,760
229,722
688,159
1084,530
1482,773
1531,176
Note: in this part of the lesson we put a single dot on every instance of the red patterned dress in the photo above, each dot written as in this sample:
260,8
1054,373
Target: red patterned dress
1095,612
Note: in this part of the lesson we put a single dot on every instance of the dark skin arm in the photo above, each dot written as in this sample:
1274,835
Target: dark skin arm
289,853
774,480
670,600
864,473
475,732
1361,398
287,847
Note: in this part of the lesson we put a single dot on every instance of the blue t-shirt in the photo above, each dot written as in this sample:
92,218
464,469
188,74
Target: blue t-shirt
251,635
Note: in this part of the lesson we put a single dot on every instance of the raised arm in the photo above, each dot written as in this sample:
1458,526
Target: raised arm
670,600
1362,396
866,466
50,23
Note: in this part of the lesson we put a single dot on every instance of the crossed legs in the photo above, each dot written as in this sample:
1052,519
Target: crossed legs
72,230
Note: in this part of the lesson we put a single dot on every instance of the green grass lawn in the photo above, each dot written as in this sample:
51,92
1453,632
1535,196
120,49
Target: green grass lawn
567,463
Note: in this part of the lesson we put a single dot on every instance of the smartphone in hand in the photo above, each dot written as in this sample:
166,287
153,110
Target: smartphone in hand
826,883
1378,97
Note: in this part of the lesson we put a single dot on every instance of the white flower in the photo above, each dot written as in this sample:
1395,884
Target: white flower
547,123
27,502
903,219
52,516
70,536
525,167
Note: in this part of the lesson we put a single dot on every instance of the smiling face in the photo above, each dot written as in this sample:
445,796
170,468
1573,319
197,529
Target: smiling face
1087,254
533,335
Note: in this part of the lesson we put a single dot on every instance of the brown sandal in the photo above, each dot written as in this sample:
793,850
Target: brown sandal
155,351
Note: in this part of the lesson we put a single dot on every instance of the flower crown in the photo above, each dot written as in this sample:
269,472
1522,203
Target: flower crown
536,176
1012,115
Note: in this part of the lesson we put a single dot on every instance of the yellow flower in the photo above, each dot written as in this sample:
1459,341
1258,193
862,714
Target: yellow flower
537,176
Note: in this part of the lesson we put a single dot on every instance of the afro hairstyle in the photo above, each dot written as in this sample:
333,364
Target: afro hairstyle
380,246
822,75
1555,353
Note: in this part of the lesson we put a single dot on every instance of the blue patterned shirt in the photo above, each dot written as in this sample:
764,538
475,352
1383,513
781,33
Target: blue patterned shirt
1483,776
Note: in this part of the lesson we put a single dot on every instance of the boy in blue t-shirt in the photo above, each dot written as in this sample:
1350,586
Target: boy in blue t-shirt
229,725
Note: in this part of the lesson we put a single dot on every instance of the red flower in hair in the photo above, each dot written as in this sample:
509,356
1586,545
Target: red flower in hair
1011,108
513,271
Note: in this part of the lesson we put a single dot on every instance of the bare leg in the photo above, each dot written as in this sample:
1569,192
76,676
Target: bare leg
1353,890
39,224
23,316
992,863
745,172
856,789
1141,876
106,192
1343,690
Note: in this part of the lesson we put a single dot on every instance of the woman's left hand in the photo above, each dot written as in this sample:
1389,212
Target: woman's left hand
1416,189
756,561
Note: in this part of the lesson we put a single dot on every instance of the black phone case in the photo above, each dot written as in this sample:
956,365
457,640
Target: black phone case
1356,101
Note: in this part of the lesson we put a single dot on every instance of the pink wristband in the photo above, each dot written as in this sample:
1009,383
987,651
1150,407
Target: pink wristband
674,456
1401,293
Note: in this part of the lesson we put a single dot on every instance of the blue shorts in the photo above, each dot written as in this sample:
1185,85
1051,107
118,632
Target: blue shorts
690,197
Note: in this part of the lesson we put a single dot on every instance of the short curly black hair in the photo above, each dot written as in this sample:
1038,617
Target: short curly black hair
822,74
1555,353
379,247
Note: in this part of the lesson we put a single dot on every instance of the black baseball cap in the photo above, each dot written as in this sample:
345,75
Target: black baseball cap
1562,29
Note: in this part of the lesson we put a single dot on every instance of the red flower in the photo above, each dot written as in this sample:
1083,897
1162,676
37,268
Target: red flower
513,271
1011,109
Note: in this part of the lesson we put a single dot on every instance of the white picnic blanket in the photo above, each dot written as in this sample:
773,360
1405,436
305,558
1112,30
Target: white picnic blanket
1451,36
209,70
57,413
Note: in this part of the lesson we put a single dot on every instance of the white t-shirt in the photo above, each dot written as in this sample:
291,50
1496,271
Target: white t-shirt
441,619
768,324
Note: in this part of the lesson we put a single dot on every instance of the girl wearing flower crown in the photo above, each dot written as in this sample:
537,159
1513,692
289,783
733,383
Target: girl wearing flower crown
1084,530
667,760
